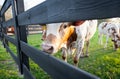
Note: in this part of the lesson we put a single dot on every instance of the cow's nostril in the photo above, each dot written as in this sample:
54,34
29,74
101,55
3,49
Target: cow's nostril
51,48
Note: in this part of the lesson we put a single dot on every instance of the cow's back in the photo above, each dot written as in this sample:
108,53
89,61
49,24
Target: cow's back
91,29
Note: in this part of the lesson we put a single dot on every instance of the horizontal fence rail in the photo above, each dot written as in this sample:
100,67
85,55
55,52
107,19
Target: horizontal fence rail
27,74
5,6
52,65
11,53
12,40
36,15
50,11
8,23
61,12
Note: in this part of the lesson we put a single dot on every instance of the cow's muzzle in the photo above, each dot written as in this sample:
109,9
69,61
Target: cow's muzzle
48,49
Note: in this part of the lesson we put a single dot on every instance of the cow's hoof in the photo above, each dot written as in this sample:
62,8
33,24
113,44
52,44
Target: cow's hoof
87,55
115,49
82,56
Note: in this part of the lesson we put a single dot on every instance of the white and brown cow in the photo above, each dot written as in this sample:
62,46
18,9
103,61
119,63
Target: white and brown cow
110,30
84,32
68,36
115,20
57,35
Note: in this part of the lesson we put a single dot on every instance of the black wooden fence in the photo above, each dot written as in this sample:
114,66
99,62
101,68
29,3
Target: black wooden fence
48,12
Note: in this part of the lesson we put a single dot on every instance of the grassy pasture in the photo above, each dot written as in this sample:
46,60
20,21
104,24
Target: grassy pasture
104,63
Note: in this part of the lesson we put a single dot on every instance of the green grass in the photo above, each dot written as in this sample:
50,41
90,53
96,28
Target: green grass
104,63
8,68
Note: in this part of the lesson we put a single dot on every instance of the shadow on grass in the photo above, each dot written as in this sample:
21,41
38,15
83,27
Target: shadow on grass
37,46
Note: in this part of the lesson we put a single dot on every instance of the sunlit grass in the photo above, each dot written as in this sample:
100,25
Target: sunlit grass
8,68
104,63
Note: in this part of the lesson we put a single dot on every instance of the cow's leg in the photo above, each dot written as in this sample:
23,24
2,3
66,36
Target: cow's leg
87,46
115,46
82,54
100,39
80,45
72,48
107,37
64,54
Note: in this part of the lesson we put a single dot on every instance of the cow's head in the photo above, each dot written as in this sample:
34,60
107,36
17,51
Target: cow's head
115,37
116,41
57,35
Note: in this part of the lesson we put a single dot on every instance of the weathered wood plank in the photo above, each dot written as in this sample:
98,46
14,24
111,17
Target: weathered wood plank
8,23
12,54
58,11
5,6
35,15
12,40
27,74
56,68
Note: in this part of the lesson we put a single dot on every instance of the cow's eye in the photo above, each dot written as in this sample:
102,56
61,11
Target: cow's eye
65,26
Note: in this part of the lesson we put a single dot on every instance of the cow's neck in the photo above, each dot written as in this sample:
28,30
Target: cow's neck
67,35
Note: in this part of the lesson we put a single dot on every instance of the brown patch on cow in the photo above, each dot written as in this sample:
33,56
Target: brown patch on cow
104,26
62,28
115,41
51,38
77,23
75,61
63,57
72,38
10,29
66,32
118,36
116,46
114,31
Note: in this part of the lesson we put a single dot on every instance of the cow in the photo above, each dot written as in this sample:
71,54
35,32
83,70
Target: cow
110,30
115,20
10,29
57,35
84,33
69,36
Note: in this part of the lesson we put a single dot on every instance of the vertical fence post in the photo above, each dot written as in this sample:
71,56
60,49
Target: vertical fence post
20,33
17,37
2,19
0,27
4,31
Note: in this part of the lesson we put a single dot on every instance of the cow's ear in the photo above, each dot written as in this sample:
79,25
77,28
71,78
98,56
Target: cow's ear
60,27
